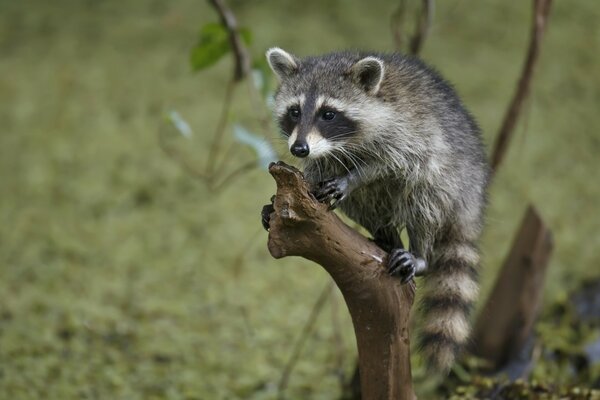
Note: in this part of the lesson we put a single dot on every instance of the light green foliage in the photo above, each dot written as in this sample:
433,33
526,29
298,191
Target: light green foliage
123,277
213,44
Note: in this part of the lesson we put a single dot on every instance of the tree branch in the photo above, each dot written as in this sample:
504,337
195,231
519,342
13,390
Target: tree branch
299,345
242,59
379,304
422,28
541,10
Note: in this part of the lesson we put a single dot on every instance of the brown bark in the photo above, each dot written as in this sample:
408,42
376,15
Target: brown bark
379,305
507,319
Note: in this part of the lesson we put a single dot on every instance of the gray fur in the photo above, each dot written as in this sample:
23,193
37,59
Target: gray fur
415,161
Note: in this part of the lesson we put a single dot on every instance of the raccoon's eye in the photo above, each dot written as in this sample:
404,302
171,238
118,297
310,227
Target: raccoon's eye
328,115
294,114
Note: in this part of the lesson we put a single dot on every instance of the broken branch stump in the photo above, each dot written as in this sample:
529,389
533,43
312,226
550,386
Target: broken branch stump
379,304
506,321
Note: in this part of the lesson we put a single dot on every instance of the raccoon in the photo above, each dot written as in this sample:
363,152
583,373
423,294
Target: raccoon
387,140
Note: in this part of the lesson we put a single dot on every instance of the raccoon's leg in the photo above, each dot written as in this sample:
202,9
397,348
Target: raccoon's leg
387,238
334,190
407,264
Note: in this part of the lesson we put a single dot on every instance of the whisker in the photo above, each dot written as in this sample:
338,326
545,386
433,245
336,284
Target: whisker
353,159
340,161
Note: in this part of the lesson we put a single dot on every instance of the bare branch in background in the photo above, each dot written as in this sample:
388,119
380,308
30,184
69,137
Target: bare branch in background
337,339
397,23
541,10
213,173
422,26
242,59
306,331
236,173
221,126
182,161
504,330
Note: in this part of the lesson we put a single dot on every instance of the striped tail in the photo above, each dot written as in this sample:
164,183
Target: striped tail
450,289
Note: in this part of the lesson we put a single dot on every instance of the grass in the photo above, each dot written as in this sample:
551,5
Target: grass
123,277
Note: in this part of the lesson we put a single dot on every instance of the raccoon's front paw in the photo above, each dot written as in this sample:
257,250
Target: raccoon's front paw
332,191
402,264
266,212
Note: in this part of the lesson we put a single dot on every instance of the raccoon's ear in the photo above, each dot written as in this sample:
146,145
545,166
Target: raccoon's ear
282,63
368,74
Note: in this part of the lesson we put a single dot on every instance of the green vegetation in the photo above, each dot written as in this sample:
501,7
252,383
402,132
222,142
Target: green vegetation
121,276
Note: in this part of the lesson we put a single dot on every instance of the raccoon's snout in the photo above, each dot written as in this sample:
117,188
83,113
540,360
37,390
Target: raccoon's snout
300,149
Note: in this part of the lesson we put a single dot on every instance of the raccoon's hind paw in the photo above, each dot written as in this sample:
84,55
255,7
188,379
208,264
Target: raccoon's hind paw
402,264
265,214
332,191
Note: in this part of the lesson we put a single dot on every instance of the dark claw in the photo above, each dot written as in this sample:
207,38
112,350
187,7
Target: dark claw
325,194
410,276
266,212
401,263
331,191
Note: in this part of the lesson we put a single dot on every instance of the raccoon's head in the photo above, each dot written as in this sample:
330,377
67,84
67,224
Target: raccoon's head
324,103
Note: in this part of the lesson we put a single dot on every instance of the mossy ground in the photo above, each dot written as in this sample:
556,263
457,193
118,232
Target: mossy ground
123,277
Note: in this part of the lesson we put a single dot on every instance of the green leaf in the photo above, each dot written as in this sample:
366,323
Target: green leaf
212,45
246,35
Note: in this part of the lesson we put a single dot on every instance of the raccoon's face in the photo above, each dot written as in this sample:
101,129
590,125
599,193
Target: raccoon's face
318,103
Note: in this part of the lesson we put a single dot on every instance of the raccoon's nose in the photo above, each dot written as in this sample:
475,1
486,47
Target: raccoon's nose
300,149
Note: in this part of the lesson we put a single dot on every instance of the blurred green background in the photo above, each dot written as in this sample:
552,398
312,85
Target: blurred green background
122,276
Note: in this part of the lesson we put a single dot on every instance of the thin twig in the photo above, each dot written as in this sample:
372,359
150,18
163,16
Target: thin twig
213,172
209,180
396,24
422,29
258,103
242,59
422,26
180,159
236,267
541,10
208,174
236,173
220,130
298,346
337,338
